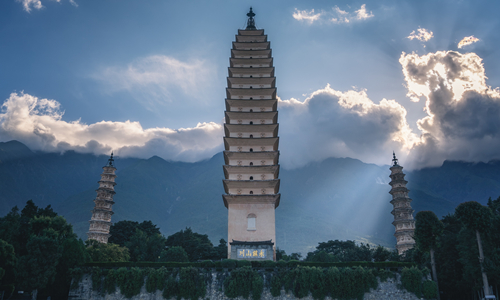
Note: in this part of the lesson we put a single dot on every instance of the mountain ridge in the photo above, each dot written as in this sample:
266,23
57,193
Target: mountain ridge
338,198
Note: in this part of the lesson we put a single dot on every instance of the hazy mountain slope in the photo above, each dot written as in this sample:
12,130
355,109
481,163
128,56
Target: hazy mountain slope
339,198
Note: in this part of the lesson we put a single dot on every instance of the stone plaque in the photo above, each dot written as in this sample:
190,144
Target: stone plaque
251,253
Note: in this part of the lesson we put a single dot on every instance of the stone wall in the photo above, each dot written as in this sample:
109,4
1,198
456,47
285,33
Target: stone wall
385,291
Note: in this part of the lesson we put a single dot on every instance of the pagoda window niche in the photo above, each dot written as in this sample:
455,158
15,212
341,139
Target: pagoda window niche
251,222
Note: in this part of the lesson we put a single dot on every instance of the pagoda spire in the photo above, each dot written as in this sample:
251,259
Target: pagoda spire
100,222
251,21
403,213
110,160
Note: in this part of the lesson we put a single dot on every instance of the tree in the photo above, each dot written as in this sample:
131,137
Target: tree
45,248
122,231
37,269
109,252
342,251
175,253
7,263
144,247
428,229
476,217
197,246
381,254
221,250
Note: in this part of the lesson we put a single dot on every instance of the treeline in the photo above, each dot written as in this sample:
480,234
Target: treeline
38,249
453,242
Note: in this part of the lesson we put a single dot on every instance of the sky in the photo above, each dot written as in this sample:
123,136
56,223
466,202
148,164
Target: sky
357,79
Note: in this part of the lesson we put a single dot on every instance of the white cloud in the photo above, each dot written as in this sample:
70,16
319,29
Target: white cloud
155,79
423,35
337,15
331,123
467,41
463,112
38,124
28,4
304,15
37,4
342,16
363,14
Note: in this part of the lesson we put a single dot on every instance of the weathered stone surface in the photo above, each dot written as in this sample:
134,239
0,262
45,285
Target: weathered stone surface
385,291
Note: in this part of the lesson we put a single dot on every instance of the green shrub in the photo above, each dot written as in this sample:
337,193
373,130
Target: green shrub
96,278
171,288
384,274
228,263
242,282
429,289
276,285
243,263
282,264
76,276
129,281
110,282
208,264
411,279
257,286
156,279
191,284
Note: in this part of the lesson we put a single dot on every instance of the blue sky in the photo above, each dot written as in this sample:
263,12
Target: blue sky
148,77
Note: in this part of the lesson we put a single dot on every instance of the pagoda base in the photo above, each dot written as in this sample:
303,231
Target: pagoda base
258,250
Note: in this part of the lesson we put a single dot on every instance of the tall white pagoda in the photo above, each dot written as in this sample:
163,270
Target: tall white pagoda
251,153
101,214
403,213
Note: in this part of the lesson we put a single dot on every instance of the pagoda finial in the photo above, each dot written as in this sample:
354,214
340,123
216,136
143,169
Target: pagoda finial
251,21
394,159
110,160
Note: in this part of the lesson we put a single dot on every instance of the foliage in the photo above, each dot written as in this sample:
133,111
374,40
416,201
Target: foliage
381,254
174,253
129,281
411,279
171,288
384,274
229,263
96,275
429,289
144,247
110,281
106,252
45,249
156,279
428,228
474,215
191,284
344,251
7,259
37,270
242,282
339,283
122,231
197,246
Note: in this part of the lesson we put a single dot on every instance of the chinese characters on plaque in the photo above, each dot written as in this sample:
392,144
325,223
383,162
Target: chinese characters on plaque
251,253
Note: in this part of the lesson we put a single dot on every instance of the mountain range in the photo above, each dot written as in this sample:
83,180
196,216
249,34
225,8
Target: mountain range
338,198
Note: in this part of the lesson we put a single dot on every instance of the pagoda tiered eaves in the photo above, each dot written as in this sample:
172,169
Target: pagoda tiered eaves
403,213
251,140
100,222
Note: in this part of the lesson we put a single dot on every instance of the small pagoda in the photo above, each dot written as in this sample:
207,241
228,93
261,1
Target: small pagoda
403,213
251,153
101,214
